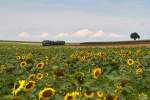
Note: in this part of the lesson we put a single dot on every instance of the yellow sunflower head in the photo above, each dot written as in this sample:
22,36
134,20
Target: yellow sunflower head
69,96
29,86
40,65
112,97
46,74
23,64
139,71
17,53
76,93
46,93
23,57
29,56
39,76
18,57
130,61
31,77
116,98
18,87
96,72
118,88
89,94
137,67
99,94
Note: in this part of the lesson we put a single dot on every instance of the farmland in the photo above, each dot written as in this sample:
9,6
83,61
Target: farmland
73,72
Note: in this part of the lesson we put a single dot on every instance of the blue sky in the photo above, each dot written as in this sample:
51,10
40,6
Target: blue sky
74,20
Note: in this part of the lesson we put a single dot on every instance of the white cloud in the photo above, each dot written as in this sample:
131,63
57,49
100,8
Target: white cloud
115,35
87,33
32,36
44,34
99,34
60,35
24,35
82,33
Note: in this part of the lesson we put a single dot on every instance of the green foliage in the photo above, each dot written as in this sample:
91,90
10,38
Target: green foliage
71,69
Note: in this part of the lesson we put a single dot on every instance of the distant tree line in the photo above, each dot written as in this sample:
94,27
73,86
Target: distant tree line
50,43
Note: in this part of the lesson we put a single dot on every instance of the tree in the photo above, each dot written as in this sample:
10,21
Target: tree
135,36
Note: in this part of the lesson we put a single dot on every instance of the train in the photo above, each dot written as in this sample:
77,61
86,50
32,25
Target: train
51,43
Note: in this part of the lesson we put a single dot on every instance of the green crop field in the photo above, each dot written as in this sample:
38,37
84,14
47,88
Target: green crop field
33,72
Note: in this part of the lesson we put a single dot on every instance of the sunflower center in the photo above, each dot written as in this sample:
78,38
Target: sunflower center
116,98
39,65
29,85
130,62
88,93
39,75
69,98
17,86
47,93
32,77
97,73
100,93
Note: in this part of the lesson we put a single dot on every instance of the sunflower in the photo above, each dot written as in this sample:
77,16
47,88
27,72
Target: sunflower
66,65
17,53
31,77
40,65
99,94
59,72
46,93
118,88
101,55
110,97
29,56
105,98
39,76
23,64
18,57
76,95
124,82
89,94
23,57
46,74
139,71
116,98
17,88
130,61
142,95
96,72
69,96
46,60
113,97
137,67
29,86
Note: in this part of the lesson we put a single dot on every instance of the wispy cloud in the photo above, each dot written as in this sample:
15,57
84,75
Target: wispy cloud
80,35
44,34
86,34
24,35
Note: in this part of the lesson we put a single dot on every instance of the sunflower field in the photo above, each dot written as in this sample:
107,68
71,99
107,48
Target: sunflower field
63,73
